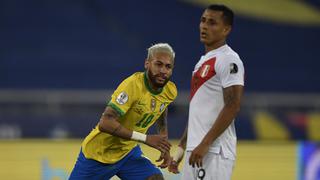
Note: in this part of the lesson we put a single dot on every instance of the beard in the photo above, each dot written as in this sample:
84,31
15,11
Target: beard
153,79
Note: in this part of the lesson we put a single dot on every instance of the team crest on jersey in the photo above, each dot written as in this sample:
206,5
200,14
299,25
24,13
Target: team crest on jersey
204,70
153,104
233,68
122,98
162,107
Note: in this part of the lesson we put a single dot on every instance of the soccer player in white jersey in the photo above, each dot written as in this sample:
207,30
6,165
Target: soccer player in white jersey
216,90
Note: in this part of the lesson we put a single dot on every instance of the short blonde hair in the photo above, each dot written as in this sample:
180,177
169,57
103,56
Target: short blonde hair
160,47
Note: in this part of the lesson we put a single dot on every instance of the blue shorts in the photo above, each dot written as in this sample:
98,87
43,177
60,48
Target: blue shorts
132,167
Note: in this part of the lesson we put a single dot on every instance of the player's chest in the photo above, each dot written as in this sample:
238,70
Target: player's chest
147,110
203,71
150,105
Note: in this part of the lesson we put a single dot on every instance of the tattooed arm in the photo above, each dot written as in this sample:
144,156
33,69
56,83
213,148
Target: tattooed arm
163,131
109,123
183,139
232,99
162,127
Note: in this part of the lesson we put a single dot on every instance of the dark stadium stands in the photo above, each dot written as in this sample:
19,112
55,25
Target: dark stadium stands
95,44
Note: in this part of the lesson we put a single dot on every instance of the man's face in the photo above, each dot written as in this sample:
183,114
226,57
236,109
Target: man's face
159,69
212,27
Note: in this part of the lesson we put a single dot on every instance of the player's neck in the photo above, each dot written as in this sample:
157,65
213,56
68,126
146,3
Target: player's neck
213,46
152,88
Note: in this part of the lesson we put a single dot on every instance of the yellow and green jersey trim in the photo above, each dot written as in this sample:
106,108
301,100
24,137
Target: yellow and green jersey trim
116,108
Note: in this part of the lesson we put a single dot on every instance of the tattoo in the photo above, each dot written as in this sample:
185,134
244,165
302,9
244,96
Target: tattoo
110,113
229,95
162,122
116,129
232,95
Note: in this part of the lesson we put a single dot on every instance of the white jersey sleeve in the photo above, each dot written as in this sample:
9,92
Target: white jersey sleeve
230,71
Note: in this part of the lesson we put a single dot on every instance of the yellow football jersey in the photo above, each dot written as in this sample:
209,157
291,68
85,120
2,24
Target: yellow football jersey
139,107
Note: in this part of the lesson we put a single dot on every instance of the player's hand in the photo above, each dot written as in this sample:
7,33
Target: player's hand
173,167
197,155
159,142
166,160
175,161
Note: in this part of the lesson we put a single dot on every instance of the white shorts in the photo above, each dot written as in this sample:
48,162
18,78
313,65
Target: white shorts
214,167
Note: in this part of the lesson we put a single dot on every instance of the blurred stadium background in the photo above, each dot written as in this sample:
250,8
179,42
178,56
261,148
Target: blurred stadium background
60,61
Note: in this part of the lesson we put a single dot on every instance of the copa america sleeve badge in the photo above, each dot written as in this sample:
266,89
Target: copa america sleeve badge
122,98
233,68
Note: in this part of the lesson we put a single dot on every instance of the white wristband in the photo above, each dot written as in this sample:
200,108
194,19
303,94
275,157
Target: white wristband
179,154
138,136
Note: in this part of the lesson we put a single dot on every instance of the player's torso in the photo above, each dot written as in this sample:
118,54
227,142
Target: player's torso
145,111
206,88
206,81
146,107
206,100
204,76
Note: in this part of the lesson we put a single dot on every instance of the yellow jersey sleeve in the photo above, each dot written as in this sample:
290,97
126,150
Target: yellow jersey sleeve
124,96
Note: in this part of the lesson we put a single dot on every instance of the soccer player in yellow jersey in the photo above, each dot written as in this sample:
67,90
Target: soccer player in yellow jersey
142,99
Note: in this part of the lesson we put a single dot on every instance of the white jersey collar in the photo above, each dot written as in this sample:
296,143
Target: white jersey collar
214,51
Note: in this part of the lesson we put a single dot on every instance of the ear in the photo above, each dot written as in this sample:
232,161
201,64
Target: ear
146,64
227,30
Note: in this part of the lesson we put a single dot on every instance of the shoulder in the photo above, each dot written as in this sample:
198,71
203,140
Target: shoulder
135,80
134,77
228,57
229,54
170,90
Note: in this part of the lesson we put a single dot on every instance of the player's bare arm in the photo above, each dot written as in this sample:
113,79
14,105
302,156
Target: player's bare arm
109,123
232,99
183,139
162,125
173,167
162,129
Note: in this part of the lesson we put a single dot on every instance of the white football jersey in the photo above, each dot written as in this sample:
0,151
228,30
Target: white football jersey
218,69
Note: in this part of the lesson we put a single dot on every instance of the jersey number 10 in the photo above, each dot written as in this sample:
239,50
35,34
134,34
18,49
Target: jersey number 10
145,121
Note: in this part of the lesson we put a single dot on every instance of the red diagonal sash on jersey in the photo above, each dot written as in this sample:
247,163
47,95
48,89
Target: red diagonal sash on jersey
205,72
